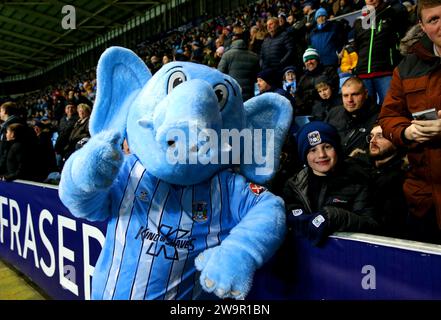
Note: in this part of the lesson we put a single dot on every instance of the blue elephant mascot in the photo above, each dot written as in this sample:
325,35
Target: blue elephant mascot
187,210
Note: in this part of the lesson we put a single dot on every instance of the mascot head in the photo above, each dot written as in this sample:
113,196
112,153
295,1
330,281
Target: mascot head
188,121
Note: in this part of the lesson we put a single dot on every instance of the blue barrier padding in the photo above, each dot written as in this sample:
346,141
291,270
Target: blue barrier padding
40,237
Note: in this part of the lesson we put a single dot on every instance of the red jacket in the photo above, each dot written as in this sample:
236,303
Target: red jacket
416,86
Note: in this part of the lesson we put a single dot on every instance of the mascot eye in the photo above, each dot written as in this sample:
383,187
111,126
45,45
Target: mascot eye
221,92
176,78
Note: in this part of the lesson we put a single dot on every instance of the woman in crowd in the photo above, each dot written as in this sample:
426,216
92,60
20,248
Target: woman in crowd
80,132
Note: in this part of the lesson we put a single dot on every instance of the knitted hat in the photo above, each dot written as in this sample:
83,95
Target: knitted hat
271,76
282,14
322,79
310,54
314,133
289,68
320,12
39,124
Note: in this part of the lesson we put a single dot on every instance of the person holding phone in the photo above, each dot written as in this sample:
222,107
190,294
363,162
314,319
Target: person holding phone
415,87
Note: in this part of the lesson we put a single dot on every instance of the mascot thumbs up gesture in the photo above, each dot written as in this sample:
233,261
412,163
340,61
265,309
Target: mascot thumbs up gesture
180,219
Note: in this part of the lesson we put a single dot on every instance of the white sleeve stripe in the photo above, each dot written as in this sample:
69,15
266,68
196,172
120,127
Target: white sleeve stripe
156,245
121,228
141,250
178,266
154,220
216,210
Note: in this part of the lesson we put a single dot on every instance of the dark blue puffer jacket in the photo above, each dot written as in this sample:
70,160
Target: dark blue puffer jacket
278,51
328,41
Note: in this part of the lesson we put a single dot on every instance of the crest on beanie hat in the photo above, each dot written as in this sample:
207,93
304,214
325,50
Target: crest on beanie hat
314,138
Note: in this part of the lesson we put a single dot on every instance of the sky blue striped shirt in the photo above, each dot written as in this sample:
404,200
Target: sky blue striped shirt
156,230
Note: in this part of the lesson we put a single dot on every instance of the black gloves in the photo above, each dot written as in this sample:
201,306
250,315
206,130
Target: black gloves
312,226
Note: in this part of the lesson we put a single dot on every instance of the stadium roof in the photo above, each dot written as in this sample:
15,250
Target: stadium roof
32,36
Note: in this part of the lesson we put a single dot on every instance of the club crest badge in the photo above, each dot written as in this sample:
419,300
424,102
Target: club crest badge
143,196
314,138
199,213
318,220
256,189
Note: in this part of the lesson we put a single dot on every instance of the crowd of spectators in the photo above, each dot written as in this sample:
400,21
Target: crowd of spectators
334,73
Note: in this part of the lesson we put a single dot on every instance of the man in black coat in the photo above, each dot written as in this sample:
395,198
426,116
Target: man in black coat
9,114
19,156
387,169
64,129
278,48
376,43
355,118
306,93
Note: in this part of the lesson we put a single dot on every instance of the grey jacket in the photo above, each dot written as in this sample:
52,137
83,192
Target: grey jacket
241,64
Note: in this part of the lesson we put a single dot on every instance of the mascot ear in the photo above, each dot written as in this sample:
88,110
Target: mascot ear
272,113
121,75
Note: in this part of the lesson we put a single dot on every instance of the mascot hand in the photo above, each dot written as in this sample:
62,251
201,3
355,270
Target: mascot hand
97,164
227,273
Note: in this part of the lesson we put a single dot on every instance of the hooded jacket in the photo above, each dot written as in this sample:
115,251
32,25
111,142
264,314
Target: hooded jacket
376,45
242,64
278,51
343,197
415,87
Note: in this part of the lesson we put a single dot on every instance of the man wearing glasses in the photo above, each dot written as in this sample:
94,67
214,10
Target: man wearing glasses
386,168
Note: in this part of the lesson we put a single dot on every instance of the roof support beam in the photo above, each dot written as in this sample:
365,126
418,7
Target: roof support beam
85,12
10,71
31,39
124,8
29,26
36,45
140,2
6,44
7,60
34,13
64,35
39,15
24,3
19,55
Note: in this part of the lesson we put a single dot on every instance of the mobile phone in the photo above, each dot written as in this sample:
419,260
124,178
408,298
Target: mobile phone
429,114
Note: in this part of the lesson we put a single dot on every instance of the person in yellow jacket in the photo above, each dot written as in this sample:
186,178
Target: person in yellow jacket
349,58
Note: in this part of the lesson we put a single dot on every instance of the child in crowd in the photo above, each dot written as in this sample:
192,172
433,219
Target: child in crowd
289,80
328,99
329,194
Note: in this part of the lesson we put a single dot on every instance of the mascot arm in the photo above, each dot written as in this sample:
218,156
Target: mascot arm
88,175
228,269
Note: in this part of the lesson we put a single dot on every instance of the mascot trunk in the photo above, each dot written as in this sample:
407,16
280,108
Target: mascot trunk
180,219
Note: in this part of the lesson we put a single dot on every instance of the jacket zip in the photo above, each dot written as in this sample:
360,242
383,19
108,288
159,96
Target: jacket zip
371,44
302,196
